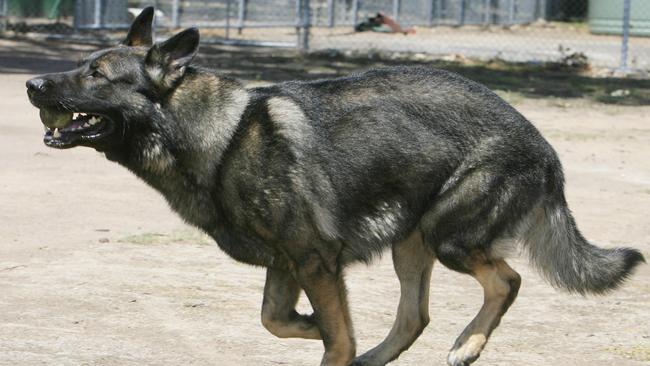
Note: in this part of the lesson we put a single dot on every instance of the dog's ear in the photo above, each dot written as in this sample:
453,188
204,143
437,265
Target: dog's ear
140,31
166,62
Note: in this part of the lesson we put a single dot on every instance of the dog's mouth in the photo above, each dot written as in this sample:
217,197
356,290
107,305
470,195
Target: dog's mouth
67,129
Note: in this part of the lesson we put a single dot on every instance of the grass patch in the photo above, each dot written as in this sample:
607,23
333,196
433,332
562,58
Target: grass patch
639,352
510,97
573,136
175,237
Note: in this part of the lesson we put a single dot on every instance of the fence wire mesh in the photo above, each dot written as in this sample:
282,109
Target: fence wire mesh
513,30
607,33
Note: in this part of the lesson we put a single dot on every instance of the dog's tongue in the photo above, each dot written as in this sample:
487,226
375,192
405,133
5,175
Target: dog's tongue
53,118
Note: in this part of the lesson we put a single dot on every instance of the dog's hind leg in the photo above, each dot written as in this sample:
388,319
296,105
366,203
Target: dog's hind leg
500,286
467,226
413,262
279,316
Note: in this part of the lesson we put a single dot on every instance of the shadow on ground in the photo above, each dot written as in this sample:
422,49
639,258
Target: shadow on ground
31,56
531,81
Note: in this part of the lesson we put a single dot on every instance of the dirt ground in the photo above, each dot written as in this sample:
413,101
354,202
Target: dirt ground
96,270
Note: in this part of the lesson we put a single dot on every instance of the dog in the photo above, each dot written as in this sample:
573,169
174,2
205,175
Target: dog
305,178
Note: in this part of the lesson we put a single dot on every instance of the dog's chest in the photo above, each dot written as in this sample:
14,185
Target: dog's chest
233,223
188,200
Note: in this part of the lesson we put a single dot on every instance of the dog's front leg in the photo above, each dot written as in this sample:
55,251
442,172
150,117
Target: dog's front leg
326,291
279,316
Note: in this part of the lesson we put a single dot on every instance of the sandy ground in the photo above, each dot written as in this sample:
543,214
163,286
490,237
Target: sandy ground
96,270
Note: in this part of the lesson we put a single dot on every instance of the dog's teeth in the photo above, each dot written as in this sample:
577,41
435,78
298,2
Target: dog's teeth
56,133
86,124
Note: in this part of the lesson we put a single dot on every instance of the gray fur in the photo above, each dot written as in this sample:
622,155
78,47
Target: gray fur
560,252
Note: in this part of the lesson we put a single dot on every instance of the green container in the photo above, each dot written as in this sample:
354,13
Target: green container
51,9
606,17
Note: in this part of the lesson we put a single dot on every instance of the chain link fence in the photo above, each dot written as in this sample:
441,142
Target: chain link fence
605,33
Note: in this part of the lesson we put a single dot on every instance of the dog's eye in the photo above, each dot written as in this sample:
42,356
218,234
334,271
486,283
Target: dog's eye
96,74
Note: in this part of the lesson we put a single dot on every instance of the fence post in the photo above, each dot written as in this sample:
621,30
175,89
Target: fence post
303,23
298,11
241,15
539,9
76,18
626,35
511,12
543,7
461,12
396,9
487,10
430,8
97,14
305,15
330,13
438,11
228,19
5,16
176,22
355,12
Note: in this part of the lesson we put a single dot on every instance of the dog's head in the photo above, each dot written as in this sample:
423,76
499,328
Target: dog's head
115,93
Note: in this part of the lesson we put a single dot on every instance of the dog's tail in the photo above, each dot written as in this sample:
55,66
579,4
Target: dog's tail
567,259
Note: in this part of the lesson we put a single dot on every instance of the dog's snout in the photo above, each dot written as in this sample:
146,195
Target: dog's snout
38,84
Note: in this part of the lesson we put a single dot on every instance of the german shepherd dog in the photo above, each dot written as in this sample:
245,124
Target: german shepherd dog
305,178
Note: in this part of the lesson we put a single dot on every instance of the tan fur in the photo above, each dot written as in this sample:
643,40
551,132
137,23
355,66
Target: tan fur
155,157
500,285
281,293
413,263
327,294
211,136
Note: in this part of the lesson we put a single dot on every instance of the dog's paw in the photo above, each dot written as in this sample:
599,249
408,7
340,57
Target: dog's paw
467,352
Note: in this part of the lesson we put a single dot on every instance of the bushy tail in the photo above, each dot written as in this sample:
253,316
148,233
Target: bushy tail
567,259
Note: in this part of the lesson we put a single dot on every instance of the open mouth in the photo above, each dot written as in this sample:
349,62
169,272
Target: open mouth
65,129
